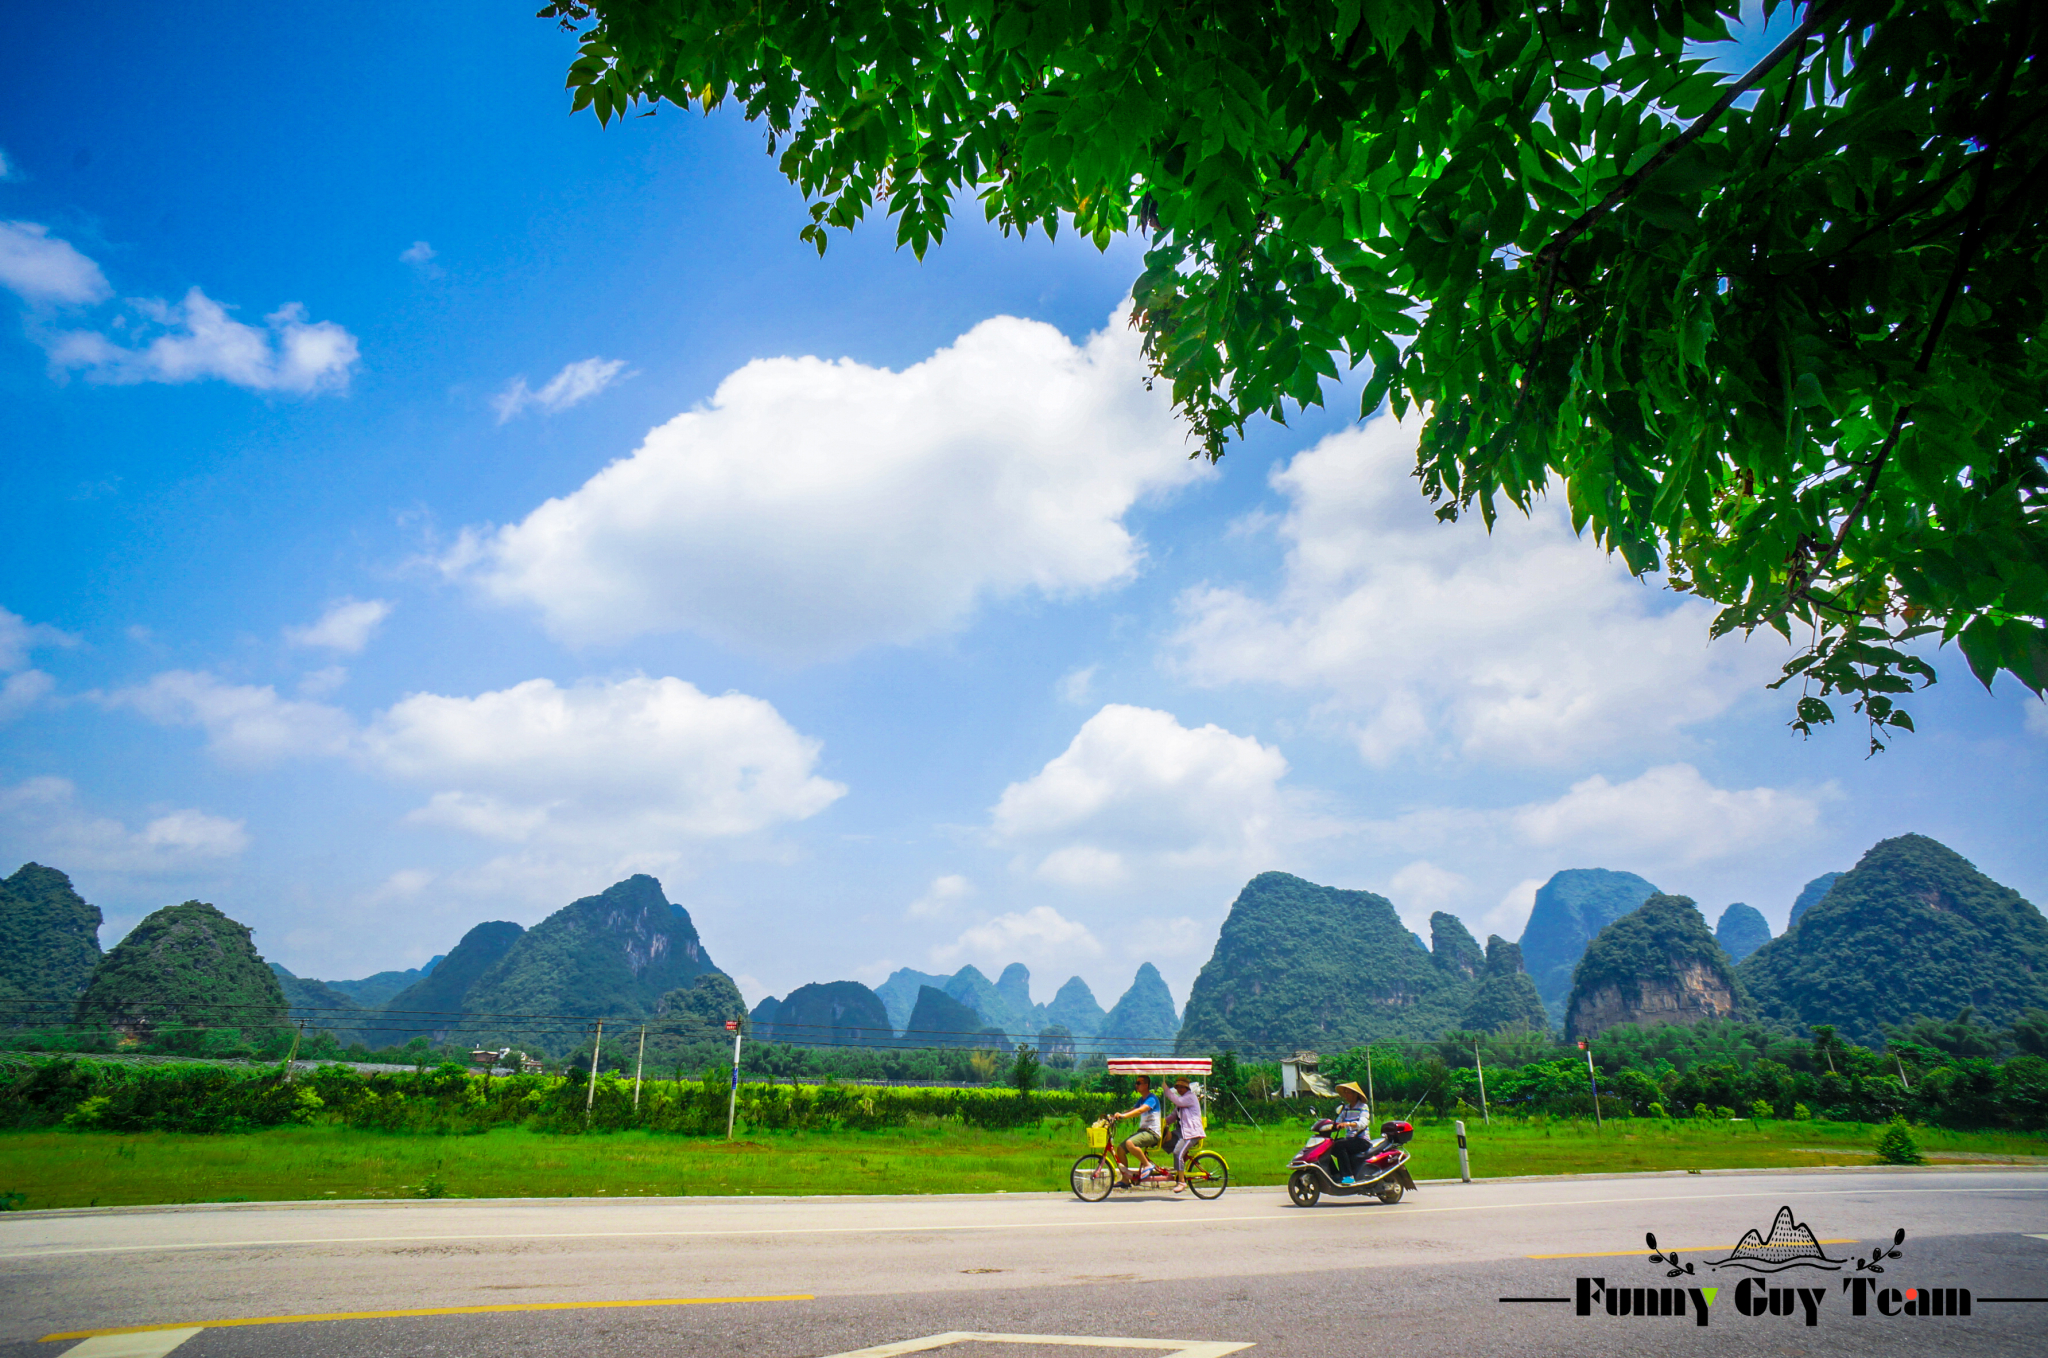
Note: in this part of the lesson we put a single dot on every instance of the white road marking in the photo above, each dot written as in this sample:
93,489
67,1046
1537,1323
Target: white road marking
1184,1348
154,1344
1148,1223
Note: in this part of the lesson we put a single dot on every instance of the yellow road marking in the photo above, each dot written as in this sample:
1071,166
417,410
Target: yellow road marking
423,1311
1681,1249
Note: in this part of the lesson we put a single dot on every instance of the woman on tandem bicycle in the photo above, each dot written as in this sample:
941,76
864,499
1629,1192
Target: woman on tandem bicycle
1201,1172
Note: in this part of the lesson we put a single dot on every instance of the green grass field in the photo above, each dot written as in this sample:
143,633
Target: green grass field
82,1169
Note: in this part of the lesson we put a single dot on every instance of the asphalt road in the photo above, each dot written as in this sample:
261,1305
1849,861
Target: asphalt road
1141,1271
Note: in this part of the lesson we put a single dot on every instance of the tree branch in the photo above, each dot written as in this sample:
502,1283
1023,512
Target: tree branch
1816,17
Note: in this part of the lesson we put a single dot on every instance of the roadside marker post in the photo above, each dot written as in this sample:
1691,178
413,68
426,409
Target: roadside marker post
1480,1061
638,1062
1464,1160
1593,1079
590,1098
732,1101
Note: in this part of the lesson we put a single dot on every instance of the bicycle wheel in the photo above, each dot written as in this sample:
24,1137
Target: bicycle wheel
1208,1176
1092,1177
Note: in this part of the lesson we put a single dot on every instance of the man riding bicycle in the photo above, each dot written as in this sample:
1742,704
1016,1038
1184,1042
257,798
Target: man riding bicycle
1146,1138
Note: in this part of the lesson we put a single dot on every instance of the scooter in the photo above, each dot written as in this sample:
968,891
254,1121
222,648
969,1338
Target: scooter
1381,1172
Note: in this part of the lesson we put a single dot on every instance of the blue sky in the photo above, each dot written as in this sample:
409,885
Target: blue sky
908,636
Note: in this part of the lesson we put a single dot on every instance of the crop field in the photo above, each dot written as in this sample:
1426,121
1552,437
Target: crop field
79,1169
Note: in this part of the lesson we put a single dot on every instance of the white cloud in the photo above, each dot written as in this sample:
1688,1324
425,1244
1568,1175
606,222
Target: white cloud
941,898
198,340
41,819
1134,788
1528,644
246,725
6,170
19,637
24,687
1076,685
322,682
20,692
2037,717
630,770
573,385
1670,814
1421,888
813,507
420,256
1511,915
40,268
636,763
1038,934
346,626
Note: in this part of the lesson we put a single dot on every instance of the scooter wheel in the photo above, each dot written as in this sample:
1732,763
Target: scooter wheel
1391,1193
1305,1188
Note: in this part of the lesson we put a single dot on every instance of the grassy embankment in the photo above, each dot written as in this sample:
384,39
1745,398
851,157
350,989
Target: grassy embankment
79,1169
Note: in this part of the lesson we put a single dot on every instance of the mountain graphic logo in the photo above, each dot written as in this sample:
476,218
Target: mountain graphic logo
1790,1244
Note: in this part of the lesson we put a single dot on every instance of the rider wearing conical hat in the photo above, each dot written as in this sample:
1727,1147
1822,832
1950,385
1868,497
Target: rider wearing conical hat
1354,1129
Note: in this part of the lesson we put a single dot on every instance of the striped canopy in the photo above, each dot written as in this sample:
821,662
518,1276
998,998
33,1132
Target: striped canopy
1158,1065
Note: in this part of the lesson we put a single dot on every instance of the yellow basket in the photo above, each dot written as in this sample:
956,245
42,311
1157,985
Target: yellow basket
1098,1136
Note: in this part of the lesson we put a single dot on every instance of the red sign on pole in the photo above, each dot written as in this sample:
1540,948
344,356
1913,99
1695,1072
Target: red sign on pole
732,1025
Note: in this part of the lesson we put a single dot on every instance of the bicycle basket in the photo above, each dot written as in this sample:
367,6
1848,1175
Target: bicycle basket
1098,1136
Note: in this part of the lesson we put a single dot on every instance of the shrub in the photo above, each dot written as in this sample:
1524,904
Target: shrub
1760,1110
1801,1113
1897,1146
1657,1111
1701,1112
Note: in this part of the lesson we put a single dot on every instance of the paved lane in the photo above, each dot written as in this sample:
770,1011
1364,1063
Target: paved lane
1247,1268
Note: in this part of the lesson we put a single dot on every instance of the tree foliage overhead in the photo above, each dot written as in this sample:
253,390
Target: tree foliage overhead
1777,335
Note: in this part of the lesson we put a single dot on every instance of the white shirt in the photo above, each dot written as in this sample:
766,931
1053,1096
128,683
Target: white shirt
1188,1107
1357,1117
1148,1114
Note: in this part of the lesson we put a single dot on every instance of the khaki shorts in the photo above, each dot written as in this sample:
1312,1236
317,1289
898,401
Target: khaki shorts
1142,1141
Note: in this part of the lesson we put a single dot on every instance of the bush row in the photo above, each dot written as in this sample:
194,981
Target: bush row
119,1096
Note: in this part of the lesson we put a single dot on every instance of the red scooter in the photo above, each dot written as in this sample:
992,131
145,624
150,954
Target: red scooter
1382,1171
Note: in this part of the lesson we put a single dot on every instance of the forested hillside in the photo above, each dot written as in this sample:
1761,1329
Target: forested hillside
49,945
372,992
1506,1000
1570,908
1301,964
616,953
429,1006
1912,929
1742,931
1657,964
185,969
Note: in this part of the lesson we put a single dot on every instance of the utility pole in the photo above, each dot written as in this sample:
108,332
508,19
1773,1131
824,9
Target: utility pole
1594,1080
732,1101
1480,1061
590,1097
638,1062
1368,1080
293,1055
1902,1072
